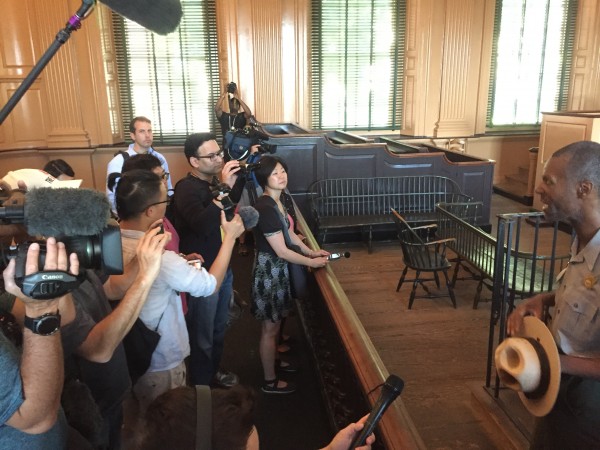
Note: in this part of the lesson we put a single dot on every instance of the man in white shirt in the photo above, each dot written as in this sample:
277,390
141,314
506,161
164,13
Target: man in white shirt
141,200
140,131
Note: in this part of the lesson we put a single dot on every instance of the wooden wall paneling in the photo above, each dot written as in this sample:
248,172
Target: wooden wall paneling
96,71
510,153
585,72
20,159
26,126
425,35
263,47
108,55
560,129
410,105
295,29
463,29
236,58
268,52
61,80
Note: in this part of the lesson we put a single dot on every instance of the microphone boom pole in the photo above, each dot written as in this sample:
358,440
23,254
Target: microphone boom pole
62,36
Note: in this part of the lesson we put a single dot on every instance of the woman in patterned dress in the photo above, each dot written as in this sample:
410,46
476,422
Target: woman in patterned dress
271,297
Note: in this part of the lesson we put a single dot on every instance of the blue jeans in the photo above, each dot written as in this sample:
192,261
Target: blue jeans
206,321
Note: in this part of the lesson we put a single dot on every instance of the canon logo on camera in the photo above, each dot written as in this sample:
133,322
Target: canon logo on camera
52,277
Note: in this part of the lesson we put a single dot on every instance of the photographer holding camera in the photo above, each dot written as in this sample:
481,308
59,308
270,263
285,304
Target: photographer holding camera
234,119
197,220
91,332
32,383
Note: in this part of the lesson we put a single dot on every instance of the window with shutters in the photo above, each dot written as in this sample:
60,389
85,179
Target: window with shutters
173,79
357,56
531,60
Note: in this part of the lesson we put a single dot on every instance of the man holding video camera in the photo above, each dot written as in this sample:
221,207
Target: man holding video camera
32,383
197,219
234,119
91,332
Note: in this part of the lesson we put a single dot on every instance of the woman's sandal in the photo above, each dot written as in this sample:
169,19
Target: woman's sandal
272,387
284,366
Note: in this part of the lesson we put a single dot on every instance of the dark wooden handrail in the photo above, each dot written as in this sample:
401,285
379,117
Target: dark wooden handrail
396,428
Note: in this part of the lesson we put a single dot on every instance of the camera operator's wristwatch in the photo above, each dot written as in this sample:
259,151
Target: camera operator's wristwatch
45,325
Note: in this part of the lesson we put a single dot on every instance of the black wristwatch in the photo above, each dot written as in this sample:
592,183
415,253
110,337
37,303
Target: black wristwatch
44,325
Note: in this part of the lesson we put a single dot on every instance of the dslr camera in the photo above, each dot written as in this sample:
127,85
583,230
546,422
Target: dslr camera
231,87
247,168
218,189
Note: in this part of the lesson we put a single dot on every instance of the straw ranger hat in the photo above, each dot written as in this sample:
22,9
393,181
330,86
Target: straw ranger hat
530,365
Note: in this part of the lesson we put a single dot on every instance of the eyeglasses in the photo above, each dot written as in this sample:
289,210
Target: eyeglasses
165,175
167,201
213,156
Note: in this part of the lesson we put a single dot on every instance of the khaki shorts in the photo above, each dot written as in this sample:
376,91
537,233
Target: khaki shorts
152,384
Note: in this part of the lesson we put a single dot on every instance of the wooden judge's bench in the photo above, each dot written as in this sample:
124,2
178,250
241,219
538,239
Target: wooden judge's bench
562,128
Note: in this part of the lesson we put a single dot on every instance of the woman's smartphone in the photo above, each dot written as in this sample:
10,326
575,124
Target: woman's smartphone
195,263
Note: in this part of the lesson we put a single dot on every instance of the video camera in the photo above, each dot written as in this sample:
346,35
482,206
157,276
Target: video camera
239,142
76,217
231,87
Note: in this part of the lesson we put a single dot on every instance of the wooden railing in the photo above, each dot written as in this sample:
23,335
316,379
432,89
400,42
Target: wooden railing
396,429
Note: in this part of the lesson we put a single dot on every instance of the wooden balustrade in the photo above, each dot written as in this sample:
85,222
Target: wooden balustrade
396,429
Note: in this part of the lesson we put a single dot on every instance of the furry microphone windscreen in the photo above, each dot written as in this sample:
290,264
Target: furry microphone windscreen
249,216
66,212
159,16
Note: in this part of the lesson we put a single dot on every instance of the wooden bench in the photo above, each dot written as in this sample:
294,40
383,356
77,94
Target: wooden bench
529,272
363,203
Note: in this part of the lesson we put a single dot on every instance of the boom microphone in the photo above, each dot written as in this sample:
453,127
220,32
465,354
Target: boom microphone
160,16
334,256
65,212
391,389
249,216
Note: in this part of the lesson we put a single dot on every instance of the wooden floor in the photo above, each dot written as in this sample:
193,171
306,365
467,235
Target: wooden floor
440,352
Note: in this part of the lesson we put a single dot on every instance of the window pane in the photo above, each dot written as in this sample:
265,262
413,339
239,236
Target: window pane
357,63
529,56
171,79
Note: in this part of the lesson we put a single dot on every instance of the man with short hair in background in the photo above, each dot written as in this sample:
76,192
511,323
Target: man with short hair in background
140,131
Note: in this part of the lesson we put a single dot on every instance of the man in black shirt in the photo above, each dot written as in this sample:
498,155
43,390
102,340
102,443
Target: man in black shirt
196,216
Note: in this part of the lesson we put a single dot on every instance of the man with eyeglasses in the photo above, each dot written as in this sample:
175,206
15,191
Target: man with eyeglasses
146,161
196,217
140,131
141,203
